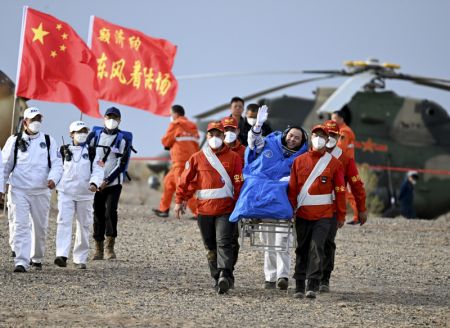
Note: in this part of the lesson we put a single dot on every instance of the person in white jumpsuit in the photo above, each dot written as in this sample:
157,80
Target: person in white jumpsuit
277,257
31,174
81,179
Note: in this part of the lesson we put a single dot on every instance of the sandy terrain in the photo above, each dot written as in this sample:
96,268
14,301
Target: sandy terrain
388,273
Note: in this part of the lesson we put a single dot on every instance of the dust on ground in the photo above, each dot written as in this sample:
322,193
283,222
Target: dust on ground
390,272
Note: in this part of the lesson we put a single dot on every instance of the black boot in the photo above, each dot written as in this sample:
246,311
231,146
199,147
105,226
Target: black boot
223,284
299,288
313,288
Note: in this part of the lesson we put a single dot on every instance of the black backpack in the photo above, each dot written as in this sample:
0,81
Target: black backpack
16,149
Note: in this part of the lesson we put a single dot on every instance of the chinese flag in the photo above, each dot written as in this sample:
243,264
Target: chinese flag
55,64
134,69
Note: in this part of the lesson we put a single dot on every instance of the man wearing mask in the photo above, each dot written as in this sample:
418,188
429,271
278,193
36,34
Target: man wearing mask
406,195
315,175
217,172
76,189
346,142
352,178
230,126
181,139
106,199
249,121
264,193
32,168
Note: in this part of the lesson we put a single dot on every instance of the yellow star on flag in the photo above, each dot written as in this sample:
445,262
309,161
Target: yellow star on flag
62,47
64,36
53,53
39,34
58,27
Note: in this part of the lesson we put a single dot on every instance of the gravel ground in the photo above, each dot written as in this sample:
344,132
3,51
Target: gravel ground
390,272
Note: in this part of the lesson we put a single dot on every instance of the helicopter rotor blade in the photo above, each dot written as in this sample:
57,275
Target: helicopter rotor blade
346,91
232,74
432,84
409,77
428,82
334,72
222,107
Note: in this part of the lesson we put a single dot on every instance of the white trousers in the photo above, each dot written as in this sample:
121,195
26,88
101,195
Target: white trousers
276,264
83,211
25,210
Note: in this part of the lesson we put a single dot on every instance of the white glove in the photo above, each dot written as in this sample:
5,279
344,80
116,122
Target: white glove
261,118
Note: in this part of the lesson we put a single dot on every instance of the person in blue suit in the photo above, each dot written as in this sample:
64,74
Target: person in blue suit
268,162
406,195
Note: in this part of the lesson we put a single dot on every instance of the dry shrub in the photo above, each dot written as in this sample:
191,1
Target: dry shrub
373,202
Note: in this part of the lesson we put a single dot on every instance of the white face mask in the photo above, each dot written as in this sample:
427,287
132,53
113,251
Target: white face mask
171,118
230,137
215,142
331,142
111,124
34,127
251,121
318,142
80,137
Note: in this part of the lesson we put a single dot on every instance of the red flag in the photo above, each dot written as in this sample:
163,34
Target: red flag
55,64
134,69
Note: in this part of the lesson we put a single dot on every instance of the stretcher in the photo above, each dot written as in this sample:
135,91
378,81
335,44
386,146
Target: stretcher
252,228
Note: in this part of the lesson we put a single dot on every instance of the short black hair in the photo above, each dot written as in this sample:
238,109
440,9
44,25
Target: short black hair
236,99
339,113
178,109
253,107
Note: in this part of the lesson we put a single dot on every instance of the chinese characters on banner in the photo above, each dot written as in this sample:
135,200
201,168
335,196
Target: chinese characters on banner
133,69
55,64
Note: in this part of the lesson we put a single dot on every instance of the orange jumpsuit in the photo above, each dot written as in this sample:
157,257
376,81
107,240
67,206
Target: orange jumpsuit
347,143
352,178
240,150
198,169
331,179
181,138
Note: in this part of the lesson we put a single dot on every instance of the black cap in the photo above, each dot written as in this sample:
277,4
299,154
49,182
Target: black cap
113,111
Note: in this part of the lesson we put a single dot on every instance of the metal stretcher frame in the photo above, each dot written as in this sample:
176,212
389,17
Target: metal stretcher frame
251,227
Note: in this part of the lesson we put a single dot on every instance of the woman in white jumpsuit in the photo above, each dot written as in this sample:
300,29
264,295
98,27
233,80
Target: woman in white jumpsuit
79,182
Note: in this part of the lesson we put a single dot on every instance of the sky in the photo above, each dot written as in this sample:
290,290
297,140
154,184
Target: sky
250,35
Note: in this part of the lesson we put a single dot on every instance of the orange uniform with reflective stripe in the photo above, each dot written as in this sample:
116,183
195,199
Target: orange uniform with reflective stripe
205,176
239,149
351,176
179,138
332,179
347,140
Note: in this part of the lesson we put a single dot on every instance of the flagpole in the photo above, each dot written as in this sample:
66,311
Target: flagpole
89,42
19,62
91,30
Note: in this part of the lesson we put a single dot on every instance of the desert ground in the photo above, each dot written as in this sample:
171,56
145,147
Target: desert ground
389,273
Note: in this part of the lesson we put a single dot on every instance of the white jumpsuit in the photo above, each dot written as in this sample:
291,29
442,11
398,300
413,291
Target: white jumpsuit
277,264
29,195
75,199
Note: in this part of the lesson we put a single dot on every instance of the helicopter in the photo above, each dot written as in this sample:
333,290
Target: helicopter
395,134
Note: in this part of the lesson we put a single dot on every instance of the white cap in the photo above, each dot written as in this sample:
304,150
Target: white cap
411,173
31,112
77,126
